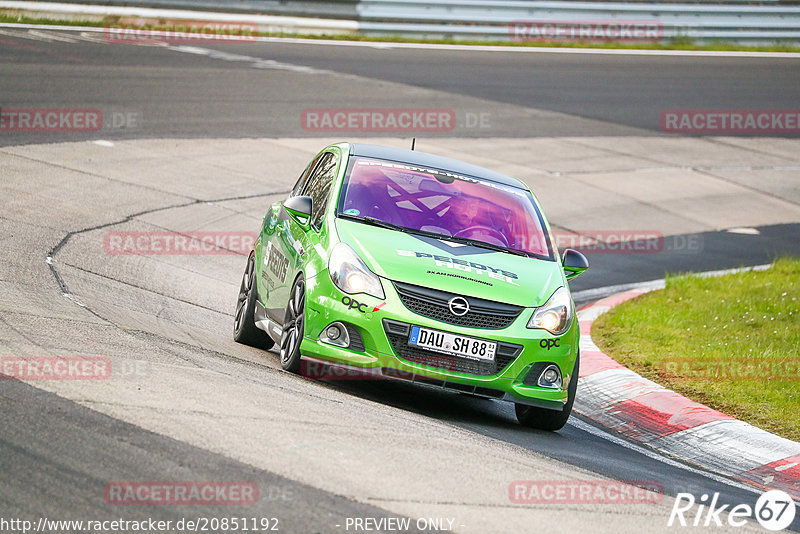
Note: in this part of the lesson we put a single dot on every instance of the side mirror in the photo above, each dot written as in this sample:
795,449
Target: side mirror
574,263
300,209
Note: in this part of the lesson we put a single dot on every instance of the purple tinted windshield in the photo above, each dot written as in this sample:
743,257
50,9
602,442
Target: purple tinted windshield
445,203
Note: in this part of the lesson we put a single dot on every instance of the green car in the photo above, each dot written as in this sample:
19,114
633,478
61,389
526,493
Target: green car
406,265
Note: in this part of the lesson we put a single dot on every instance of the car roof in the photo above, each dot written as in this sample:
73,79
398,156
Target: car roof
431,160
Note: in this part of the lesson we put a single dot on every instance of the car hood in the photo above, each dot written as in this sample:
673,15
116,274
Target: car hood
452,267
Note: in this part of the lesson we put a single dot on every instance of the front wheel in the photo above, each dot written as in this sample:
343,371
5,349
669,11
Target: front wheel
293,327
544,419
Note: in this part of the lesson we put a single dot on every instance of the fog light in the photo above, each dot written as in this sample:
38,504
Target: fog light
550,377
335,334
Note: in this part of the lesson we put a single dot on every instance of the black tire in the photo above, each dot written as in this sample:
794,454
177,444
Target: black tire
244,327
544,419
293,326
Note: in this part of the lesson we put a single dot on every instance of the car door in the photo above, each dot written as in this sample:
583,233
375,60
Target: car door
287,239
273,262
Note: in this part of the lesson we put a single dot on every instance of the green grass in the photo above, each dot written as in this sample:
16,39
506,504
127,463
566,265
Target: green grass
681,43
720,341
22,19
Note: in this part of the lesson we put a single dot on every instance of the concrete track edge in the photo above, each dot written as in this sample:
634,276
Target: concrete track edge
276,27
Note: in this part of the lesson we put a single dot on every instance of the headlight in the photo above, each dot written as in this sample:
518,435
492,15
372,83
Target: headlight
351,275
556,314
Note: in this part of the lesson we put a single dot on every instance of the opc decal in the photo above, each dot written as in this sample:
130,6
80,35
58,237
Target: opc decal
549,343
362,307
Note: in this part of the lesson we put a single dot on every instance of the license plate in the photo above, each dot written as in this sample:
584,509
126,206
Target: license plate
452,344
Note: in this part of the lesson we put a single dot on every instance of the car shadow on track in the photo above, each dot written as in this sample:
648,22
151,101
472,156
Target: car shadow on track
572,445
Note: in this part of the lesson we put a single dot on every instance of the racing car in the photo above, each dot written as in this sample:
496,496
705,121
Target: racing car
414,266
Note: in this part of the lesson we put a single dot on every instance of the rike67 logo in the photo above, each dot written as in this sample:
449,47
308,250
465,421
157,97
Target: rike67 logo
774,510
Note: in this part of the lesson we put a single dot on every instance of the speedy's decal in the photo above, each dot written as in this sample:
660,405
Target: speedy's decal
276,262
465,266
451,248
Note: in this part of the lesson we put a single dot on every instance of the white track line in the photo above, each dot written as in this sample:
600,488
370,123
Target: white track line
600,292
650,285
460,48
602,434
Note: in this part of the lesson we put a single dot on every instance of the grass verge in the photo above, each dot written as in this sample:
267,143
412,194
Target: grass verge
730,342
675,44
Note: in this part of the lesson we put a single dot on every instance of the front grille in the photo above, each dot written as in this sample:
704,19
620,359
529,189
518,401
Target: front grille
433,304
398,332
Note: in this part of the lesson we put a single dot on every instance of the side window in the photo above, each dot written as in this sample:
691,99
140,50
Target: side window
318,186
301,182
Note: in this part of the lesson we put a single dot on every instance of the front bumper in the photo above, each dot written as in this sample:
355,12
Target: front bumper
383,327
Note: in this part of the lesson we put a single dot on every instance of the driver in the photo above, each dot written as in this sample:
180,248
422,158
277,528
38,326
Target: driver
471,217
465,210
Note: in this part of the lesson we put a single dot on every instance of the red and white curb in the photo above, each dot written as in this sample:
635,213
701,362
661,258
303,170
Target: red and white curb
644,412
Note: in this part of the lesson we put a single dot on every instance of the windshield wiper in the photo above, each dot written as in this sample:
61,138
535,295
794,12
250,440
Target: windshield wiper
392,226
374,222
473,242
484,244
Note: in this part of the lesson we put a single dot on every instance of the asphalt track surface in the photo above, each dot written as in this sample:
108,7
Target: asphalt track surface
62,451
248,89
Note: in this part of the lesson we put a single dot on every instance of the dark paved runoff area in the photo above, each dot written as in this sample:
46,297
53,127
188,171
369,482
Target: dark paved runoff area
59,457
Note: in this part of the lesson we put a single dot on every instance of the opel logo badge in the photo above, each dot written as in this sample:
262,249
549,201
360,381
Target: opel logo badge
458,306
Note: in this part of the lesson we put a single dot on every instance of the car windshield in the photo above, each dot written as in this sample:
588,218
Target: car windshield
447,204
